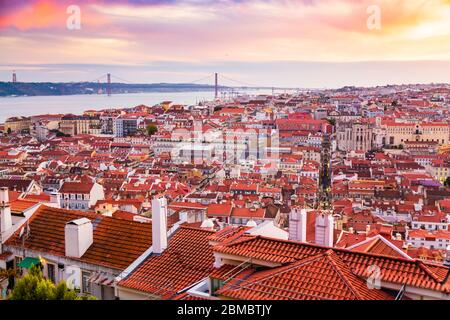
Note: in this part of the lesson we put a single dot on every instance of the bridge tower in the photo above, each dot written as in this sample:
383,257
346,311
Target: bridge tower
108,85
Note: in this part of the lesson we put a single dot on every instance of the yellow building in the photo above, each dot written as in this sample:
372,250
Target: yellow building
439,170
398,133
17,124
73,125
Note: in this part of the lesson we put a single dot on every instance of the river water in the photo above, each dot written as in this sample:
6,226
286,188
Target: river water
37,105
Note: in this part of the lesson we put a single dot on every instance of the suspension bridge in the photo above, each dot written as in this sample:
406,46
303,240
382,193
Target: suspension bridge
222,84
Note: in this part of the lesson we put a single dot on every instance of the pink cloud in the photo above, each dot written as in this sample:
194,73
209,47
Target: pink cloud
44,14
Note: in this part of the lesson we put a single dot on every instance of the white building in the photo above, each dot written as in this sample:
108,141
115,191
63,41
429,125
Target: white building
80,196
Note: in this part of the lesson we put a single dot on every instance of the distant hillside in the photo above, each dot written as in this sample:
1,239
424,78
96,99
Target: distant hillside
59,89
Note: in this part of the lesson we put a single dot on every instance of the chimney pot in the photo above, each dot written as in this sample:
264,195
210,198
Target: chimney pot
159,225
79,236
447,256
297,225
5,214
4,195
55,197
207,224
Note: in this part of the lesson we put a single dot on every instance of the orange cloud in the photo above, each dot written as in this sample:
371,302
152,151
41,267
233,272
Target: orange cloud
244,30
44,14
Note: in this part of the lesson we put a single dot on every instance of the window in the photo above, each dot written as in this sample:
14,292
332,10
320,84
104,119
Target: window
51,272
17,260
85,284
216,284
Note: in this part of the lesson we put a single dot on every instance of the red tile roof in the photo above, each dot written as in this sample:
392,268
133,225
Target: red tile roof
76,187
188,259
117,242
395,270
187,205
219,209
19,206
382,246
38,197
320,277
248,213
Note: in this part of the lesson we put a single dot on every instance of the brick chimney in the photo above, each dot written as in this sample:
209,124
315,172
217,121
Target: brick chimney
159,225
5,212
79,236
297,224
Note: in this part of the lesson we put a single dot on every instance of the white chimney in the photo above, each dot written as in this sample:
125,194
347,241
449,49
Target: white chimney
251,223
4,195
159,225
351,230
447,256
79,235
297,224
55,198
207,224
418,206
398,236
324,229
5,212
367,229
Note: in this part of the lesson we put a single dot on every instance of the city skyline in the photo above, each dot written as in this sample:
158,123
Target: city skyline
264,43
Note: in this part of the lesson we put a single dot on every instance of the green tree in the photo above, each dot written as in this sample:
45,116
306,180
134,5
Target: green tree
447,182
151,129
9,131
34,286
332,121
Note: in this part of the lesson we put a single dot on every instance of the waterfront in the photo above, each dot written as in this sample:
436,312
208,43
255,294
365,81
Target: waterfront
35,105
27,106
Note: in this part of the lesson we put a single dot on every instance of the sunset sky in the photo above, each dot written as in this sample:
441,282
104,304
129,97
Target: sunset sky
295,43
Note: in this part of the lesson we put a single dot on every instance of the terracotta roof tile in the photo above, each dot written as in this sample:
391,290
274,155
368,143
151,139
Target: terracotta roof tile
393,269
323,276
117,242
188,259
76,187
